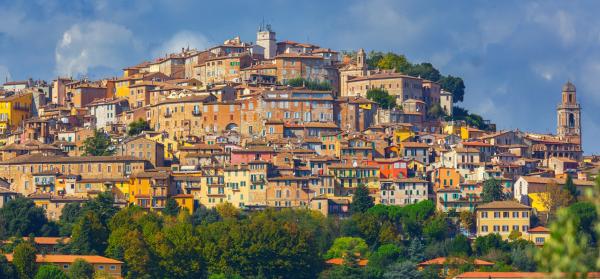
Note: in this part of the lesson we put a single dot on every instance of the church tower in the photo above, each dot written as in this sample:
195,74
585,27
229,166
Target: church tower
265,38
569,115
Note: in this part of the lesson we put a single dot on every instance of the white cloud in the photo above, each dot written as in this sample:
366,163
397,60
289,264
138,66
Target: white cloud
94,44
182,39
560,22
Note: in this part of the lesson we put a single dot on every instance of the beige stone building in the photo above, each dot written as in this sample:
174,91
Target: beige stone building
502,217
402,86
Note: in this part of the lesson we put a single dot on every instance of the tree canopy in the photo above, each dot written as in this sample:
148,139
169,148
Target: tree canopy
309,84
492,191
382,98
138,126
361,200
20,217
98,145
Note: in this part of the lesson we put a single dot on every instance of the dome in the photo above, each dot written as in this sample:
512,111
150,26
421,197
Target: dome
568,87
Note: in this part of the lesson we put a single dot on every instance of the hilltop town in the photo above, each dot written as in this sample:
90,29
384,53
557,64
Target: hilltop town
260,127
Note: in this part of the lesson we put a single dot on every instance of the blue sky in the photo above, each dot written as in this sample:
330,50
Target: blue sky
513,55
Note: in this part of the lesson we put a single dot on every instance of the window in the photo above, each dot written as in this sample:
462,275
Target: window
101,267
525,214
113,267
515,214
539,240
484,228
505,214
515,228
496,228
496,214
504,228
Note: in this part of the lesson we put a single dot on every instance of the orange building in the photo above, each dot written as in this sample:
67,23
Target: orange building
446,178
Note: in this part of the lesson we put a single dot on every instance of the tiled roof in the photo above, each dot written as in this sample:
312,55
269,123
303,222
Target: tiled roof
539,229
451,260
41,159
70,259
503,205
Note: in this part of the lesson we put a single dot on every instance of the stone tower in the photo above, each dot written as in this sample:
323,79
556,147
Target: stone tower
265,38
361,58
569,115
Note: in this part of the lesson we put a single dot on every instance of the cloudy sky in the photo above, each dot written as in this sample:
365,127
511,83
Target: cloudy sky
513,55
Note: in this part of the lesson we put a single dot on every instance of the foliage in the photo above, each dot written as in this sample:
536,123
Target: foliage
436,228
89,235
571,189
20,217
553,198
373,59
436,111
137,127
171,207
403,270
585,217
69,216
492,191
50,271
309,84
343,272
205,216
24,260
361,200
426,71
467,220
563,253
6,269
382,98
455,85
394,61
471,119
460,246
484,244
522,258
347,246
227,210
384,256
80,269
98,145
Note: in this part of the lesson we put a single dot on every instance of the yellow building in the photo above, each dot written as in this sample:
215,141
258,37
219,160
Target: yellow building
185,201
402,133
237,184
469,132
452,128
502,217
171,146
150,189
14,110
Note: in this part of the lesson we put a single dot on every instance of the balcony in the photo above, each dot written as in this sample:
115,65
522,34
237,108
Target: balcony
196,113
167,114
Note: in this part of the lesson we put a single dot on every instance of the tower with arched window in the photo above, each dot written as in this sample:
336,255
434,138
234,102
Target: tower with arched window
569,114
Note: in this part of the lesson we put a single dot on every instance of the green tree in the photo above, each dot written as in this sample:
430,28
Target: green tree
485,244
171,207
347,245
415,250
571,189
563,253
137,127
6,269
454,85
309,84
424,70
80,269
460,246
20,217
50,271
394,61
343,272
436,228
522,258
403,270
436,111
373,59
90,236
205,216
384,256
227,210
492,191
24,260
69,216
382,98
467,220
586,216
361,200
98,145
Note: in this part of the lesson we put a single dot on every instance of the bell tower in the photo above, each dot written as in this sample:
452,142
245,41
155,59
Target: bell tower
569,115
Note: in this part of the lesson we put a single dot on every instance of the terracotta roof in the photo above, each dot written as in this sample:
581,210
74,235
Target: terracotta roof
504,275
40,159
503,205
476,143
410,144
70,259
547,180
539,229
451,260
340,261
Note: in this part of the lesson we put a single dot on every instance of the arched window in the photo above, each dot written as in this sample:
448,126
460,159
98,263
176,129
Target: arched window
571,120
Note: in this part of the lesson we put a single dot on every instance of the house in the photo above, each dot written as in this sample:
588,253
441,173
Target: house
6,195
110,266
415,150
502,217
451,265
528,189
538,235
143,148
403,191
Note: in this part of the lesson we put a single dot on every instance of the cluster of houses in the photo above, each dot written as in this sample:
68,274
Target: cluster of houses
226,126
